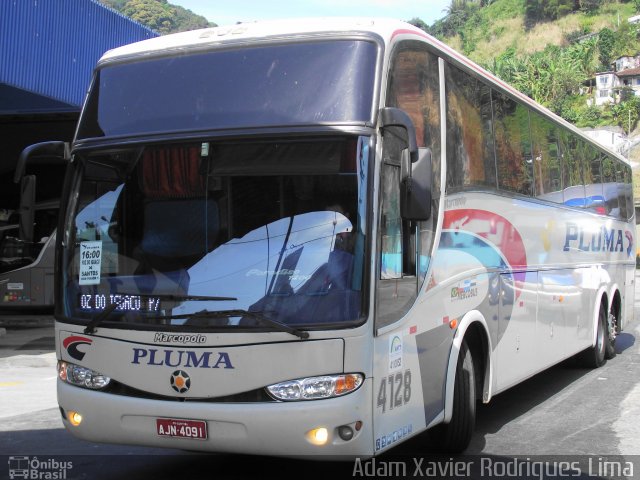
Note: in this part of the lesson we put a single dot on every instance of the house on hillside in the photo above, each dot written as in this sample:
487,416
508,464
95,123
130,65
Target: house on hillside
624,63
607,86
631,78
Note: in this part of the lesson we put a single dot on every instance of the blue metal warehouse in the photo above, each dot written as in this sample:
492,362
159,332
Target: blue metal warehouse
48,49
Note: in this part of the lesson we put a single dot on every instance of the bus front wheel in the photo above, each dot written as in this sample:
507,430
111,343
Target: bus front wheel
455,436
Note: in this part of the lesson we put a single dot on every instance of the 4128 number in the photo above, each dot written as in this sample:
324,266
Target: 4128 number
398,387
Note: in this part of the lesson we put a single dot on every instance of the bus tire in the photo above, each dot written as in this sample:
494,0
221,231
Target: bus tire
610,340
455,436
595,356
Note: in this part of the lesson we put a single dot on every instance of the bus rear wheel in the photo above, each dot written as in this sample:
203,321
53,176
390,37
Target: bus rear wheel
612,332
455,436
595,356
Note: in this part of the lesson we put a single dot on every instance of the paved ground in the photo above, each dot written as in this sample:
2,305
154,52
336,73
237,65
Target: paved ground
28,379
567,411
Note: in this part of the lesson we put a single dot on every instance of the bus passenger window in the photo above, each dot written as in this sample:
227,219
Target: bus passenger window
594,198
610,187
546,161
512,144
624,191
628,191
572,154
470,148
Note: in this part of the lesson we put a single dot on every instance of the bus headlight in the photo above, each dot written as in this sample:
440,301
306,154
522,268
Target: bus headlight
82,376
314,388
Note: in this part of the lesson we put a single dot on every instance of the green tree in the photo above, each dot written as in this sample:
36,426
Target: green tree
155,15
590,116
625,40
187,20
606,43
584,56
457,15
505,65
590,6
551,77
418,22
159,15
544,10
625,113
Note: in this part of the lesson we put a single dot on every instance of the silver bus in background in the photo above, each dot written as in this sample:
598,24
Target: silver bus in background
27,235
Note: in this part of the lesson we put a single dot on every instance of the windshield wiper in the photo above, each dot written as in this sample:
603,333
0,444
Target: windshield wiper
91,326
258,316
100,317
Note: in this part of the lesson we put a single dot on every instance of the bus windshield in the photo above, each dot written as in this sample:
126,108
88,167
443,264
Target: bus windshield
220,235
306,83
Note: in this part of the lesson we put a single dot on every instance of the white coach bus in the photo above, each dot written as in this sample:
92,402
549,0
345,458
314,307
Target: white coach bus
325,237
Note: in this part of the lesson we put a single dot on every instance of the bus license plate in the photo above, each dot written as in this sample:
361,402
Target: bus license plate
173,427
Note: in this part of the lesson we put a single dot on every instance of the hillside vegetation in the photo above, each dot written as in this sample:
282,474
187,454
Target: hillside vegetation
159,15
548,49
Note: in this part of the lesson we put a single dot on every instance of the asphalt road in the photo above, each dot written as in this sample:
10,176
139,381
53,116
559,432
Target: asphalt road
567,413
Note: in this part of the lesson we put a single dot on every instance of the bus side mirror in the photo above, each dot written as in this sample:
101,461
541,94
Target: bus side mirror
46,152
415,171
394,117
415,185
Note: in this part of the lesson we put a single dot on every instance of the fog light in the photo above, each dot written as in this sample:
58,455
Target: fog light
345,432
318,436
74,418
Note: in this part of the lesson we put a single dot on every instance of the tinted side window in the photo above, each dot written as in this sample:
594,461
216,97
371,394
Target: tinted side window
623,186
470,149
593,192
610,186
513,145
628,177
572,153
414,87
546,164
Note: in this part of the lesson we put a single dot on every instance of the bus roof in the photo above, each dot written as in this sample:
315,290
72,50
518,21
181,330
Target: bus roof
383,27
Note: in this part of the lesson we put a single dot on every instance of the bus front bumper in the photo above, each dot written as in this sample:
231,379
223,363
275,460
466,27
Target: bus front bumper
279,428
